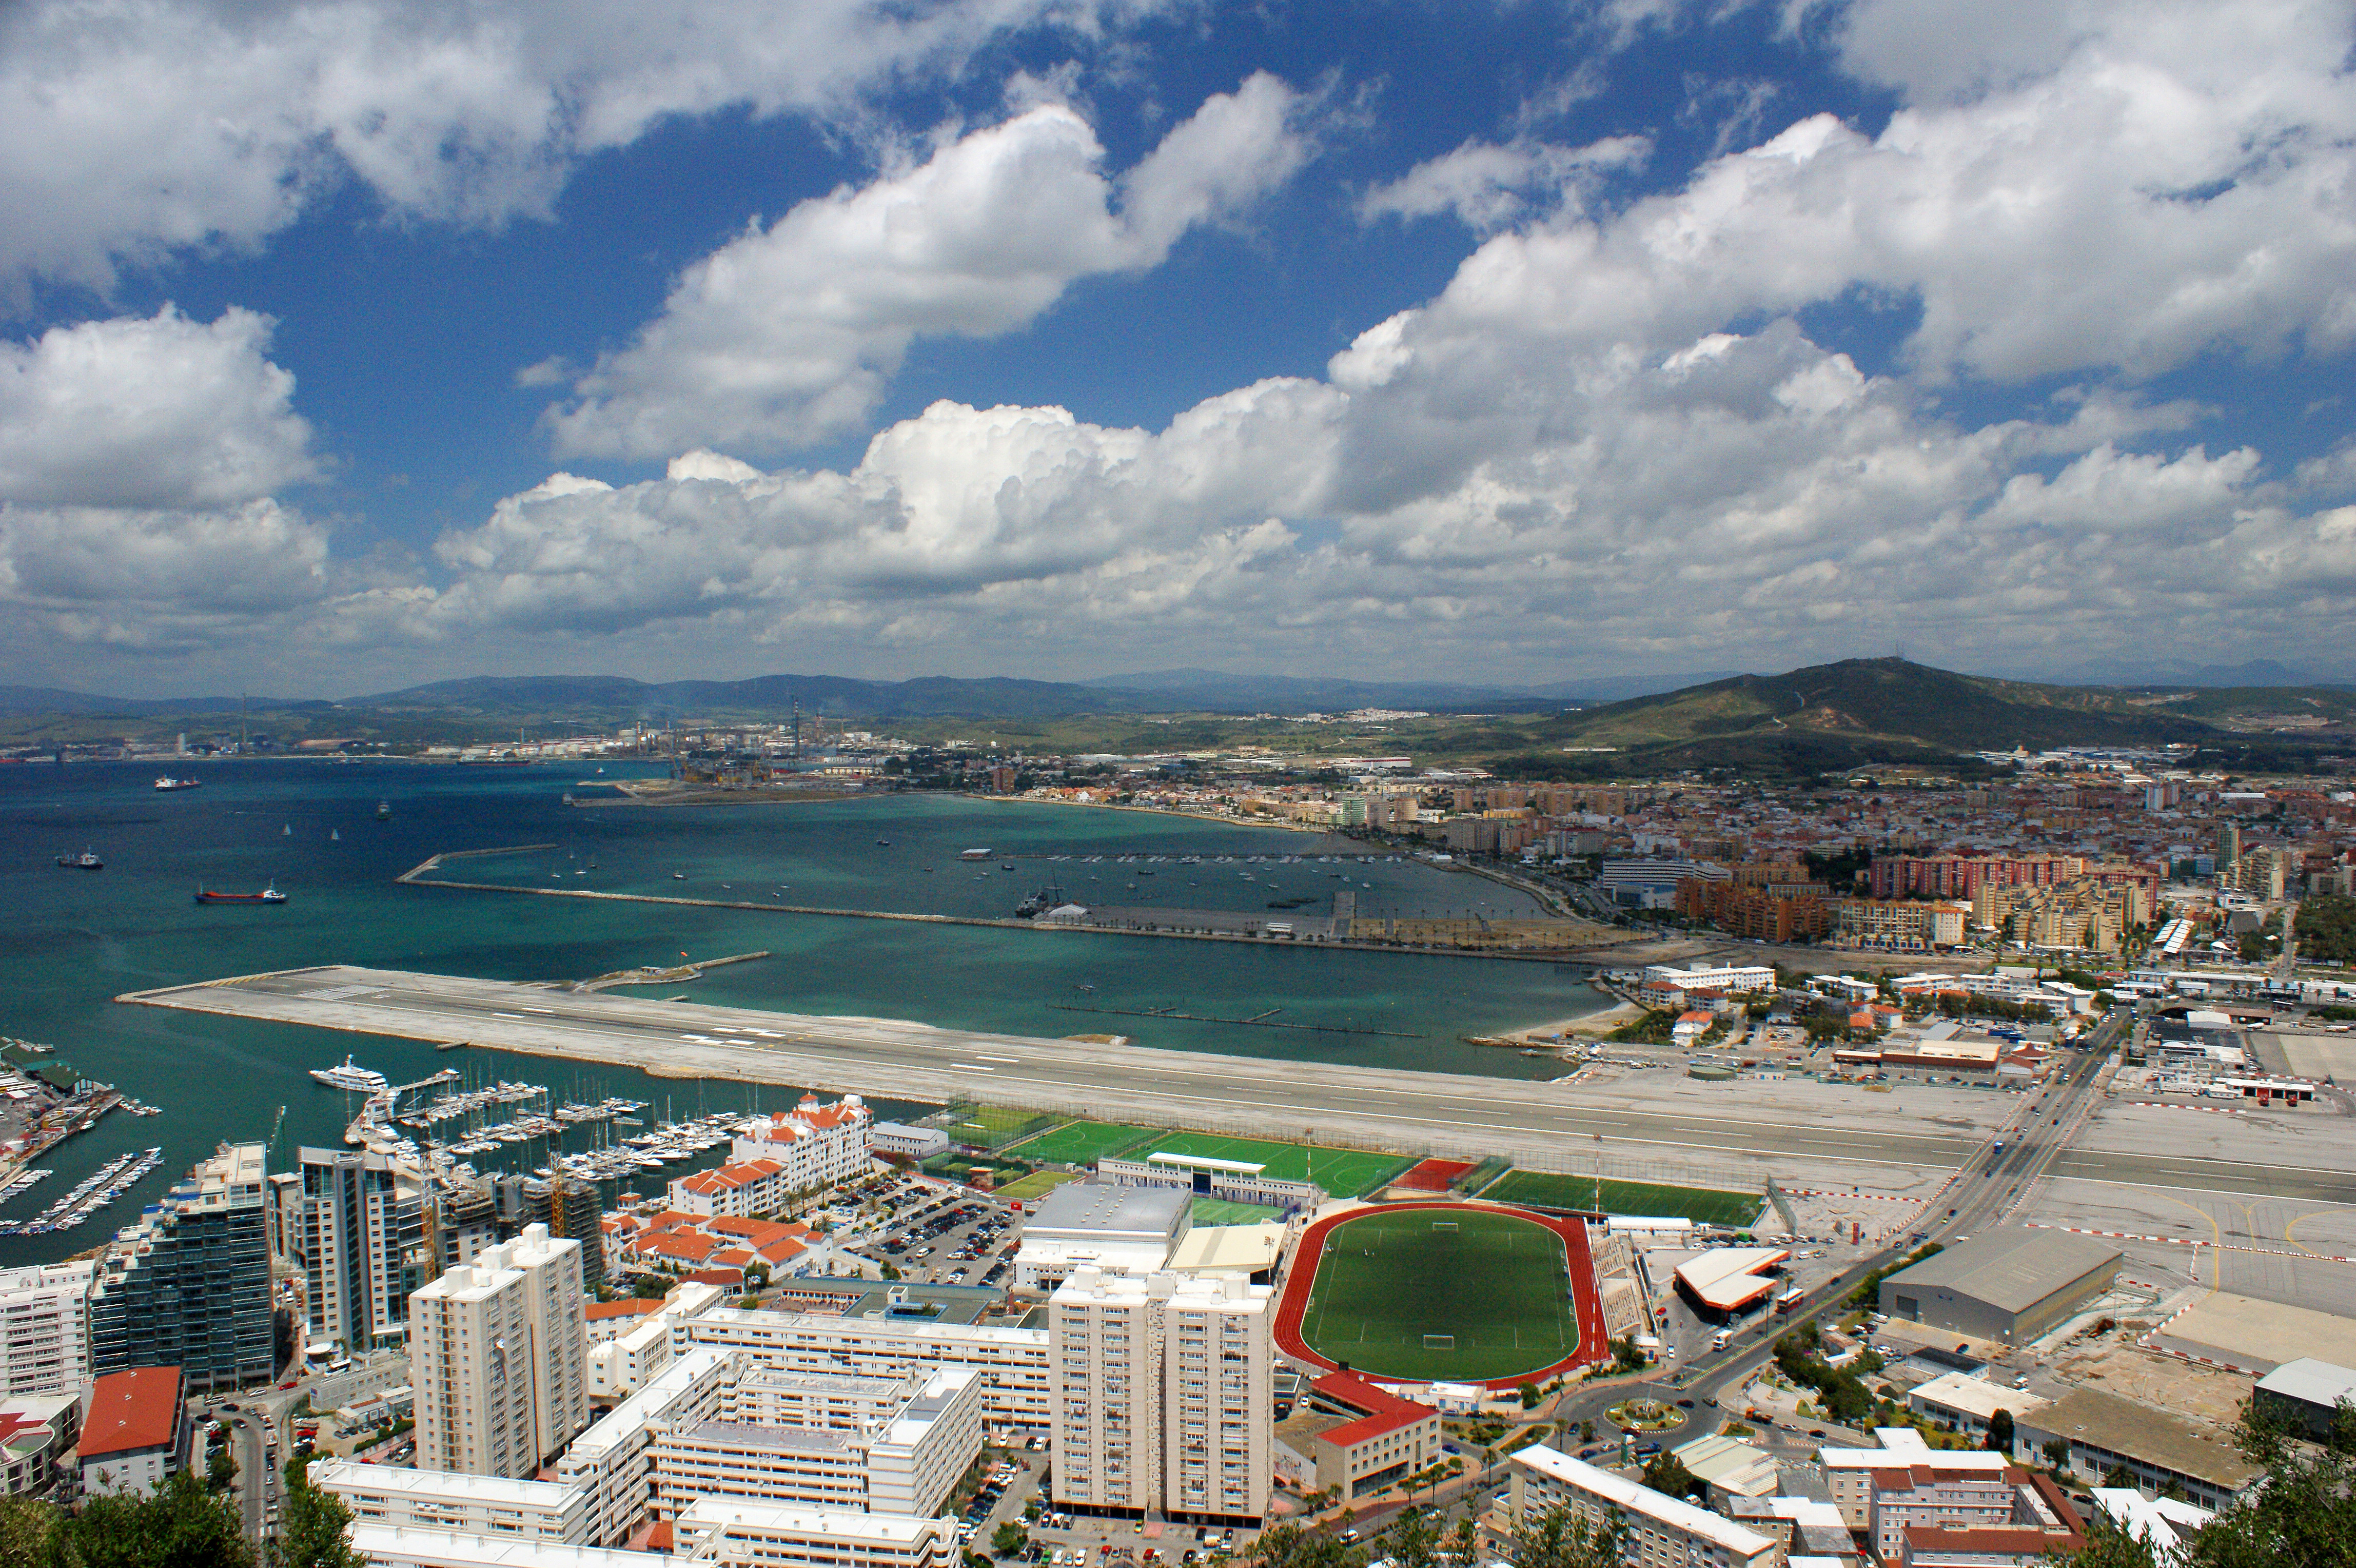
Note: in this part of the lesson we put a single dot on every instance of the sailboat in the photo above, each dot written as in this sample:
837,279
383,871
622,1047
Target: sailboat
288,831
334,835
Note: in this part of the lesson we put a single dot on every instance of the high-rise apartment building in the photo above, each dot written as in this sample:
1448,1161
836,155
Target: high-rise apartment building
188,1286
499,1357
354,1223
45,1329
1162,1386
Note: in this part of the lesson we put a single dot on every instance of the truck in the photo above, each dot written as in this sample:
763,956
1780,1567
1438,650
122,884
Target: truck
1721,1339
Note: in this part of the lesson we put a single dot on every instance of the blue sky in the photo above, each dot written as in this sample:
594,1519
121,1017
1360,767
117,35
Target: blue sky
356,344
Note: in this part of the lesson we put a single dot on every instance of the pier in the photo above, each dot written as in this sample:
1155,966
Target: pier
1545,941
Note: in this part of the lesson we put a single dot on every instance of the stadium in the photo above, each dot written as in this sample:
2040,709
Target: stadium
1442,1291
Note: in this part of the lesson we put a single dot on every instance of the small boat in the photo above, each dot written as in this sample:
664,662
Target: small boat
287,831
384,811
883,843
269,894
678,877
167,784
86,861
334,835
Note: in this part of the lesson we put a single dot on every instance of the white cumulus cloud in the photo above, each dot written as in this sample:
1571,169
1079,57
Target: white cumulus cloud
136,128
790,334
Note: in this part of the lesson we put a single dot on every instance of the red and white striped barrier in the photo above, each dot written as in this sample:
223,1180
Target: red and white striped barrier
2210,1109
2193,1241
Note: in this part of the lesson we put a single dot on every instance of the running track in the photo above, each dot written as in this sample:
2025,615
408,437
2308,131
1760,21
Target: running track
1293,1304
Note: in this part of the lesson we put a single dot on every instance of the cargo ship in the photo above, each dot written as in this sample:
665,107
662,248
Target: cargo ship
269,894
166,784
86,861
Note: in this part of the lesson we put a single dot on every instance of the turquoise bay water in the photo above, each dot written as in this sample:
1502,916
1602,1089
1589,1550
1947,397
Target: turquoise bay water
72,940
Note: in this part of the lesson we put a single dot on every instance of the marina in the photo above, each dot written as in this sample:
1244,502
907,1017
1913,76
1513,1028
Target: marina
95,1192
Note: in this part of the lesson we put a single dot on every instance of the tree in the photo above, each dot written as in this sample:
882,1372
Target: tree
1009,1539
1999,1432
1555,1539
2056,1452
650,1287
1530,1394
1667,1474
24,1526
2302,1515
220,1468
316,1532
1289,1546
177,1525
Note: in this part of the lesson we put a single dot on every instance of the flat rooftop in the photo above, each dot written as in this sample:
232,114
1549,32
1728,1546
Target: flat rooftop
2011,1270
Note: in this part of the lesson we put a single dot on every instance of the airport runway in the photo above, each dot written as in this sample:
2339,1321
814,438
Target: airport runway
893,1058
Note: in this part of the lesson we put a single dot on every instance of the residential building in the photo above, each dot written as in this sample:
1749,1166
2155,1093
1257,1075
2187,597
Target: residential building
2262,873
1163,1397
1849,1472
630,1340
2079,913
816,1144
1663,1532
1350,1434
1767,912
499,1359
898,1449
135,1430
611,1464
1739,978
1017,1391
45,1328
500,1507
730,1533
1916,1504
189,1284
1898,925
741,1188
354,1224
36,1433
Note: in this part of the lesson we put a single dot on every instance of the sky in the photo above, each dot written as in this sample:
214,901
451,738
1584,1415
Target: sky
351,344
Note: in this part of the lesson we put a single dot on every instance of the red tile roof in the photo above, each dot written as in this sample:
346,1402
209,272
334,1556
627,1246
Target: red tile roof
131,1412
688,1248
1384,1411
604,1311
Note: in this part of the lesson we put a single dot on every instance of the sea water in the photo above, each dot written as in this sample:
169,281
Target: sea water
72,940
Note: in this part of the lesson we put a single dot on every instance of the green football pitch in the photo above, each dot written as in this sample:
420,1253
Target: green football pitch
1079,1142
1344,1172
1456,1295
1702,1205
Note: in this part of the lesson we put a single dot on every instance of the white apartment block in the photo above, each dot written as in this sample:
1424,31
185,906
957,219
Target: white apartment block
495,1506
732,1533
622,1362
394,1546
499,1359
1015,1386
611,1464
1163,1397
45,1329
1663,1532
817,1145
353,1221
905,1458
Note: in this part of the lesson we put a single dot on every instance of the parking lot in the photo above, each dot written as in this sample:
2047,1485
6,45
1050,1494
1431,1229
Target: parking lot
937,1235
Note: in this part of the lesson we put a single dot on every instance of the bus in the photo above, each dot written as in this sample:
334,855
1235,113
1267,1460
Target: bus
1789,1299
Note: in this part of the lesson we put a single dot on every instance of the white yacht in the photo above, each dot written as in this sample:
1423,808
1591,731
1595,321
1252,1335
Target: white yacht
358,1080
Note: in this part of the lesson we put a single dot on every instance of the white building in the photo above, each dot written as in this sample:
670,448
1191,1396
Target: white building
1663,1532
1730,977
392,1546
499,1359
896,1454
818,1144
1015,1393
45,1328
625,1360
611,1464
910,1143
501,1505
1163,1397
1127,1230
1962,1403
733,1533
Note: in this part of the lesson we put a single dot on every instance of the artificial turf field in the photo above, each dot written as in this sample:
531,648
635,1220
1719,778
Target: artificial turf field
1038,1184
1344,1173
1080,1143
1497,1284
1701,1204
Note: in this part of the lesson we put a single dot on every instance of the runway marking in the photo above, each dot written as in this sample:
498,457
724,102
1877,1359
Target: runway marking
983,1057
973,1067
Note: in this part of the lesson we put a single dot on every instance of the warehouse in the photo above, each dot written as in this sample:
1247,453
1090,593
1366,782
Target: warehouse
2009,1287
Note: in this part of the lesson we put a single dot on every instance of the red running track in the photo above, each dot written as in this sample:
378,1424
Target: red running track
1595,1345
